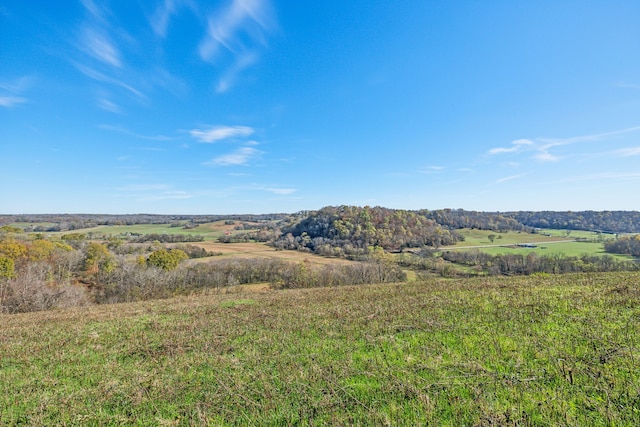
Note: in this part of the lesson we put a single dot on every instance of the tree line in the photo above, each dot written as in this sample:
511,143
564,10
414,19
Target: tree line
39,274
603,221
627,245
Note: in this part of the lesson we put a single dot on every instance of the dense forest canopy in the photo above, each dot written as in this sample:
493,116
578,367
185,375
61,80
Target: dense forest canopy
603,221
361,227
459,218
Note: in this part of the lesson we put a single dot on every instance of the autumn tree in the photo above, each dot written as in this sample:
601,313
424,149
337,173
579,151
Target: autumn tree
98,259
167,259
7,268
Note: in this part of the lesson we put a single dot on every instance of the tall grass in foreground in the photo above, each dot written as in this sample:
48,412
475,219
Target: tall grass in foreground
554,350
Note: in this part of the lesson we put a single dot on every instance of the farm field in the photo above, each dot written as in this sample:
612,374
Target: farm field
475,237
555,350
262,250
576,249
548,242
210,231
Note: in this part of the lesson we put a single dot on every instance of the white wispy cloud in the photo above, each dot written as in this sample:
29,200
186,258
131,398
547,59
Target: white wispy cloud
99,45
10,101
540,148
143,187
545,156
509,178
240,157
239,30
101,77
160,19
95,10
219,133
107,105
228,79
17,85
167,195
274,189
126,131
516,146
280,191
427,170
628,152
555,142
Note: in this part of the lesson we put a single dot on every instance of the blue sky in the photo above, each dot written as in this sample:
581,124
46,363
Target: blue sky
250,106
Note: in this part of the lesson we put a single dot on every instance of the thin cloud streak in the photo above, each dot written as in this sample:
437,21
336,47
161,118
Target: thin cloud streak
126,131
239,30
274,189
541,146
509,178
107,105
517,145
219,133
167,195
228,79
96,75
11,101
98,45
240,157
160,19
143,187
628,152
18,85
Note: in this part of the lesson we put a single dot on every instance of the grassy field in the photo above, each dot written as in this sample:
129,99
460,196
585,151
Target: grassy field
555,350
210,231
262,250
475,237
566,248
548,242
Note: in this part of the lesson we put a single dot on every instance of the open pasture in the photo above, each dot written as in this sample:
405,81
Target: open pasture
576,249
556,350
546,242
262,250
474,237
210,231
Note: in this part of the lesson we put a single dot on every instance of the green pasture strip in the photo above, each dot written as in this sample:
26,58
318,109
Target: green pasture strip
542,350
576,249
576,234
475,237
205,230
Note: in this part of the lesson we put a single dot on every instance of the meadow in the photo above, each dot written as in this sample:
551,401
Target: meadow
547,242
538,350
210,231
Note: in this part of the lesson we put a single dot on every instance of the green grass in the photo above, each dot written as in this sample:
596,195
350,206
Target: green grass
566,248
543,350
546,245
210,231
475,237
574,234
